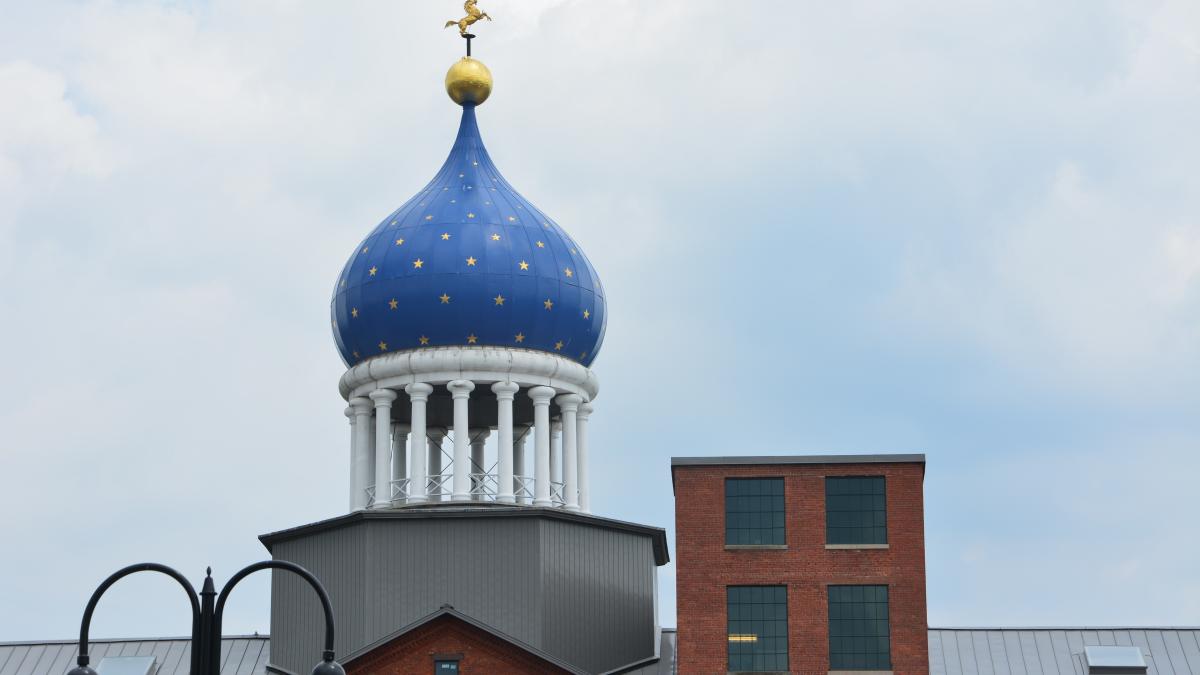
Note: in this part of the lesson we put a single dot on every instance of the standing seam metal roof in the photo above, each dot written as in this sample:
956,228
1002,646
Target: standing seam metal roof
240,655
1056,651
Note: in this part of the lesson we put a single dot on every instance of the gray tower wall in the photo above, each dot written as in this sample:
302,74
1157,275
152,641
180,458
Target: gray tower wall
579,588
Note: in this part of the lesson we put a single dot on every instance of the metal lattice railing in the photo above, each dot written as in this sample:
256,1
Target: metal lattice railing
485,487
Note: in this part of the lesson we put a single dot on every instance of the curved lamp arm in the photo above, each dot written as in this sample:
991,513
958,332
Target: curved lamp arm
299,571
114,578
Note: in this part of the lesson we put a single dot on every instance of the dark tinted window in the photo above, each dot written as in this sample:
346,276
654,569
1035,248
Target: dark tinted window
859,638
855,510
757,628
753,511
445,668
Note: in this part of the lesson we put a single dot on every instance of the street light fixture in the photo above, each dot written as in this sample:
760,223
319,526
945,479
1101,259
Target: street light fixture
207,609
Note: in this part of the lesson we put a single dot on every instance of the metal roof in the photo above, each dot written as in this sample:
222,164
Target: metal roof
952,651
799,459
657,535
1056,651
240,655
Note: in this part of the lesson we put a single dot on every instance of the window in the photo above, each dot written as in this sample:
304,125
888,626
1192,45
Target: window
753,511
855,510
757,628
445,668
859,638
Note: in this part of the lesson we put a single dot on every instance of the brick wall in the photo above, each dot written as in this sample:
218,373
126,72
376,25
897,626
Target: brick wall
481,653
704,567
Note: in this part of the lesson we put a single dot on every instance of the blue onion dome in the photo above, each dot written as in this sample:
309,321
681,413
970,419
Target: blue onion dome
468,261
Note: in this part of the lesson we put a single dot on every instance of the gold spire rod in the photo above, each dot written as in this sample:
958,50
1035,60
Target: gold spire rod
473,14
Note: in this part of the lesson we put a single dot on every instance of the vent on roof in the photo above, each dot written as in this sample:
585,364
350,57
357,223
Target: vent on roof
126,665
1114,660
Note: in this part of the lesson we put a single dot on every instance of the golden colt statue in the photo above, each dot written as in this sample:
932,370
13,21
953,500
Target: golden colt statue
473,14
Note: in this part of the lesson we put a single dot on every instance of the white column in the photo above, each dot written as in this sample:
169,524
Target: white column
436,436
362,450
383,446
418,393
519,436
353,454
581,420
369,453
568,405
541,440
478,440
400,453
460,390
504,391
556,450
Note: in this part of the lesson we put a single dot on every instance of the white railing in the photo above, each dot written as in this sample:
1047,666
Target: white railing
485,487
400,490
523,489
438,486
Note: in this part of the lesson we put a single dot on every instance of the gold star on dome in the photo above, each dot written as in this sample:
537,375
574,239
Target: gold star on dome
366,248
354,312
474,163
445,236
471,262
354,354
495,237
470,215
453,201
444,298
549,304
558,345
460,175
343,283
573,251
523,265
399,242
471,339
418,263
372,271
582,355
382,346
428,217
512,219
541,245
519,337
568,272
393,303
499,300
586,314
424,340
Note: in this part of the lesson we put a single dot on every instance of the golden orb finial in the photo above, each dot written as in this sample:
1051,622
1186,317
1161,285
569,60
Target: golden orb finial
468,81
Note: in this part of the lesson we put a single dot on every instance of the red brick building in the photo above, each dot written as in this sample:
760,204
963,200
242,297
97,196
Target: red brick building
810,564
450,643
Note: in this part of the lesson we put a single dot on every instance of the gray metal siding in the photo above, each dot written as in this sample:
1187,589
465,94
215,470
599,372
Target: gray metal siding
1057,651
579,592
338,559
172,656
599,604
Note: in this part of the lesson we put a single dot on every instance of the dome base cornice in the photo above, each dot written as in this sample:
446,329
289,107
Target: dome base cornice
439,365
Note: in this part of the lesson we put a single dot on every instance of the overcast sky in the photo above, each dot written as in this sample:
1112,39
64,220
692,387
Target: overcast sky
968,229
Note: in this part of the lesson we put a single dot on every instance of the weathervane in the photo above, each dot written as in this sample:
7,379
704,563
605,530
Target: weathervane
473,14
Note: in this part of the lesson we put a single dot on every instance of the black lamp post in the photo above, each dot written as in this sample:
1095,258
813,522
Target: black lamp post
207,608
